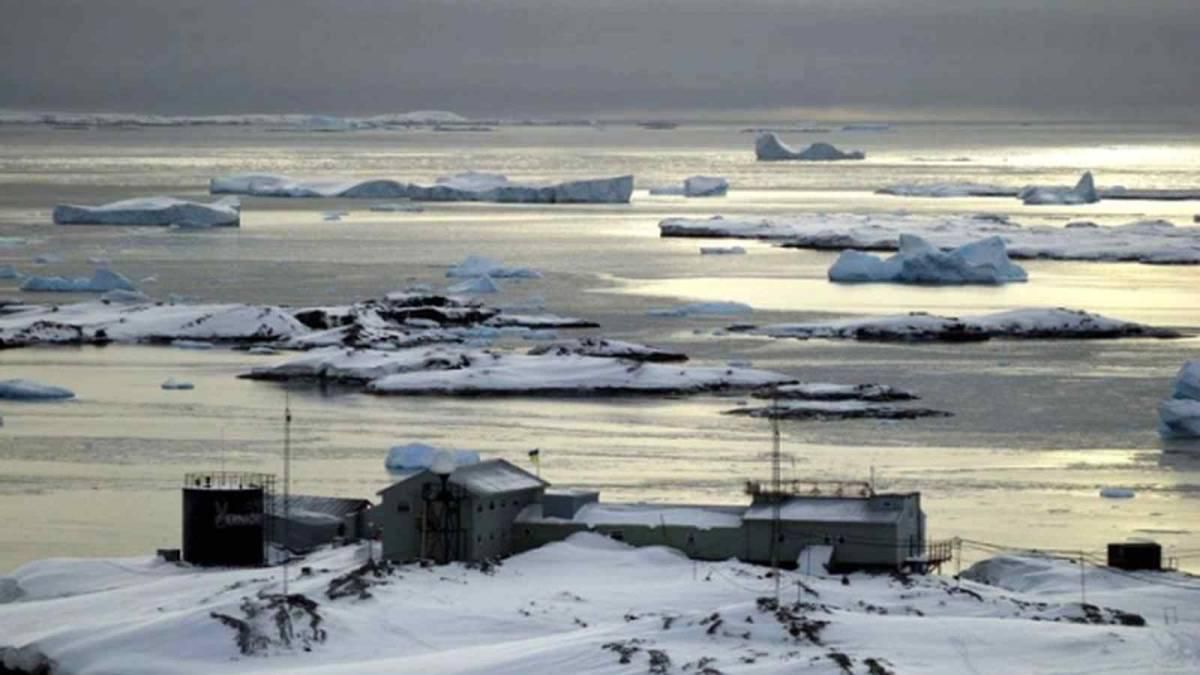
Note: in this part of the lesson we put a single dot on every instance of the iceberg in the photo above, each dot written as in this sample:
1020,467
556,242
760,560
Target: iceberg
421,456
918,262
1179,415
768,148
29,390
1155,242
9,272
696,186
1084,192
468,186
475,286
479,266
103,280
1117,493
1029,324
161,211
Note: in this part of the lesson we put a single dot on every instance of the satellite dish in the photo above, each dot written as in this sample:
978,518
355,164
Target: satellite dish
443,463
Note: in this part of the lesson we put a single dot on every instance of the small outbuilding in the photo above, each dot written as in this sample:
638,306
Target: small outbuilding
304,522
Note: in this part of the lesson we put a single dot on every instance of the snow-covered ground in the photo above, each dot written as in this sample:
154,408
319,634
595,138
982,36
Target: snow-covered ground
471,186
593,605
1151,241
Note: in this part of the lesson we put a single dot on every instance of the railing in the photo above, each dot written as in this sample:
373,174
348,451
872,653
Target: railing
229,480
814,488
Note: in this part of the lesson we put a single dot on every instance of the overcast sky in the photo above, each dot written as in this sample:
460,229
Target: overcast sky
593,58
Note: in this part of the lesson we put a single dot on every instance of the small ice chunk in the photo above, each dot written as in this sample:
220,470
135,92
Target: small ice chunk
479,266
47,259
703,309
722,250
174,384
121,296
198,345
396,207
262,350
30,390
1117,493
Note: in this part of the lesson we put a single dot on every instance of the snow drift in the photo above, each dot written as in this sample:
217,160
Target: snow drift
918,262
160,211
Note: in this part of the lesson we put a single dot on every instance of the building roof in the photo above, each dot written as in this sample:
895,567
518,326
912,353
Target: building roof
700,516
830,510
311,508
493,477
489,477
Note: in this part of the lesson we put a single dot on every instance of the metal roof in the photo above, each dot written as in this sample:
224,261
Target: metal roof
829,510
314,508
494,476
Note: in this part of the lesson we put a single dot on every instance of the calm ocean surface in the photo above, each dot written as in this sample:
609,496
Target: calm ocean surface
1039,428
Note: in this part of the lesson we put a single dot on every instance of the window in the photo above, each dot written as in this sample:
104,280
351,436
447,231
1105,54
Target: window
491,506
619,535
403,506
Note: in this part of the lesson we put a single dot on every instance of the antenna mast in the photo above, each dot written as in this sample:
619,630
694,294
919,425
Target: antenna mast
287,481
776,496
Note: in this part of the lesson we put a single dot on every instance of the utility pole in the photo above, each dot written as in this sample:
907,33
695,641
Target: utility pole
776,496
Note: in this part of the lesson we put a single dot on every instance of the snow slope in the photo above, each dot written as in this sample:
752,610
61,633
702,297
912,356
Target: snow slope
593,605
469,186
153,211
1150,241
918,262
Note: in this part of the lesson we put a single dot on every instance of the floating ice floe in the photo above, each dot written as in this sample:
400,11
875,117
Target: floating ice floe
1084,192
602,347
421,456
823,391
703,309
722,250
696,186
103,280
396,207
866,126
469,186
159,211
768,147
837,410
918,262
29,390
334,216
953,189
969,189
1117,493
1030,323
1179,415
479,266
173,384
1150,241
9,272
571,375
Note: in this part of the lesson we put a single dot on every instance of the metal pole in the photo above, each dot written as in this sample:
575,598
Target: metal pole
776,490
1082,581
287,480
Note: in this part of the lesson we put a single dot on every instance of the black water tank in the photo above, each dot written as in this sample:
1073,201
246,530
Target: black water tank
1142,555
223,526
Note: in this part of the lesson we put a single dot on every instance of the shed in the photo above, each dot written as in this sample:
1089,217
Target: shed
313,521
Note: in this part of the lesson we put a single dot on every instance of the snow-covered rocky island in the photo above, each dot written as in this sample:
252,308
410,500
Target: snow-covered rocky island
1149,241
471,186
769,148
1024,324
918,262
161,211
594,603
